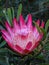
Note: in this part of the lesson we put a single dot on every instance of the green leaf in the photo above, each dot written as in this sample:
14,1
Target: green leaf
43,30
10,51
9,14
3,51
2,44
0,38
39,29
40,56
12,12
1,13
12,64
4,60
44,63
19,11
5,14
46,47
47,25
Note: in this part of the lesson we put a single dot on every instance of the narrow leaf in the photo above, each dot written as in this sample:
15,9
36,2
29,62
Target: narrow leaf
3,51
5,14
0,38
47,25
44,32
12,12
9,14
3,60
40,30
2,44
19,11
37,27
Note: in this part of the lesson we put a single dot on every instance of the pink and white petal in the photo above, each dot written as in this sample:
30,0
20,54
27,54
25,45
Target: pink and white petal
26,51
37,42
5,33
15,23
35,46
18,49
39,37
35,33
42,25
26,19
8,28
14,47
28,47
6,39
22,22
38,22
29,23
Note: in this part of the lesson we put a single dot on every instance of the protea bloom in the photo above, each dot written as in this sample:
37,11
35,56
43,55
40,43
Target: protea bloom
22,37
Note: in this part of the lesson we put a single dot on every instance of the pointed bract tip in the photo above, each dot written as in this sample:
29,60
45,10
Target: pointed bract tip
2,31
22,22
38,22
14,19
30,16
7,24
21,17
29,20
42,24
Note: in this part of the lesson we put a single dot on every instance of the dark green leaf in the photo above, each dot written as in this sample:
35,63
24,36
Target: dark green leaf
3,60
40,56
44,63
9,14
3,50
0,38
2,44
37,27
5,14
1,13
12,12
47,25
42,29
10,51
46,47
19,11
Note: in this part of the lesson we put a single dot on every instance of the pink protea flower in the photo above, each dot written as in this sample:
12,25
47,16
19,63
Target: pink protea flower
22,37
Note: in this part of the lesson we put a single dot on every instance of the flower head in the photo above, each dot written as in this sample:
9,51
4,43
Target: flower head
22,37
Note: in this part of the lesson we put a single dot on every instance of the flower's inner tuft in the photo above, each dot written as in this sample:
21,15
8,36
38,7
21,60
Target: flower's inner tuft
22,40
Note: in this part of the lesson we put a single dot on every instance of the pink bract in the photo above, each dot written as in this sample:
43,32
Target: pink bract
22,37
